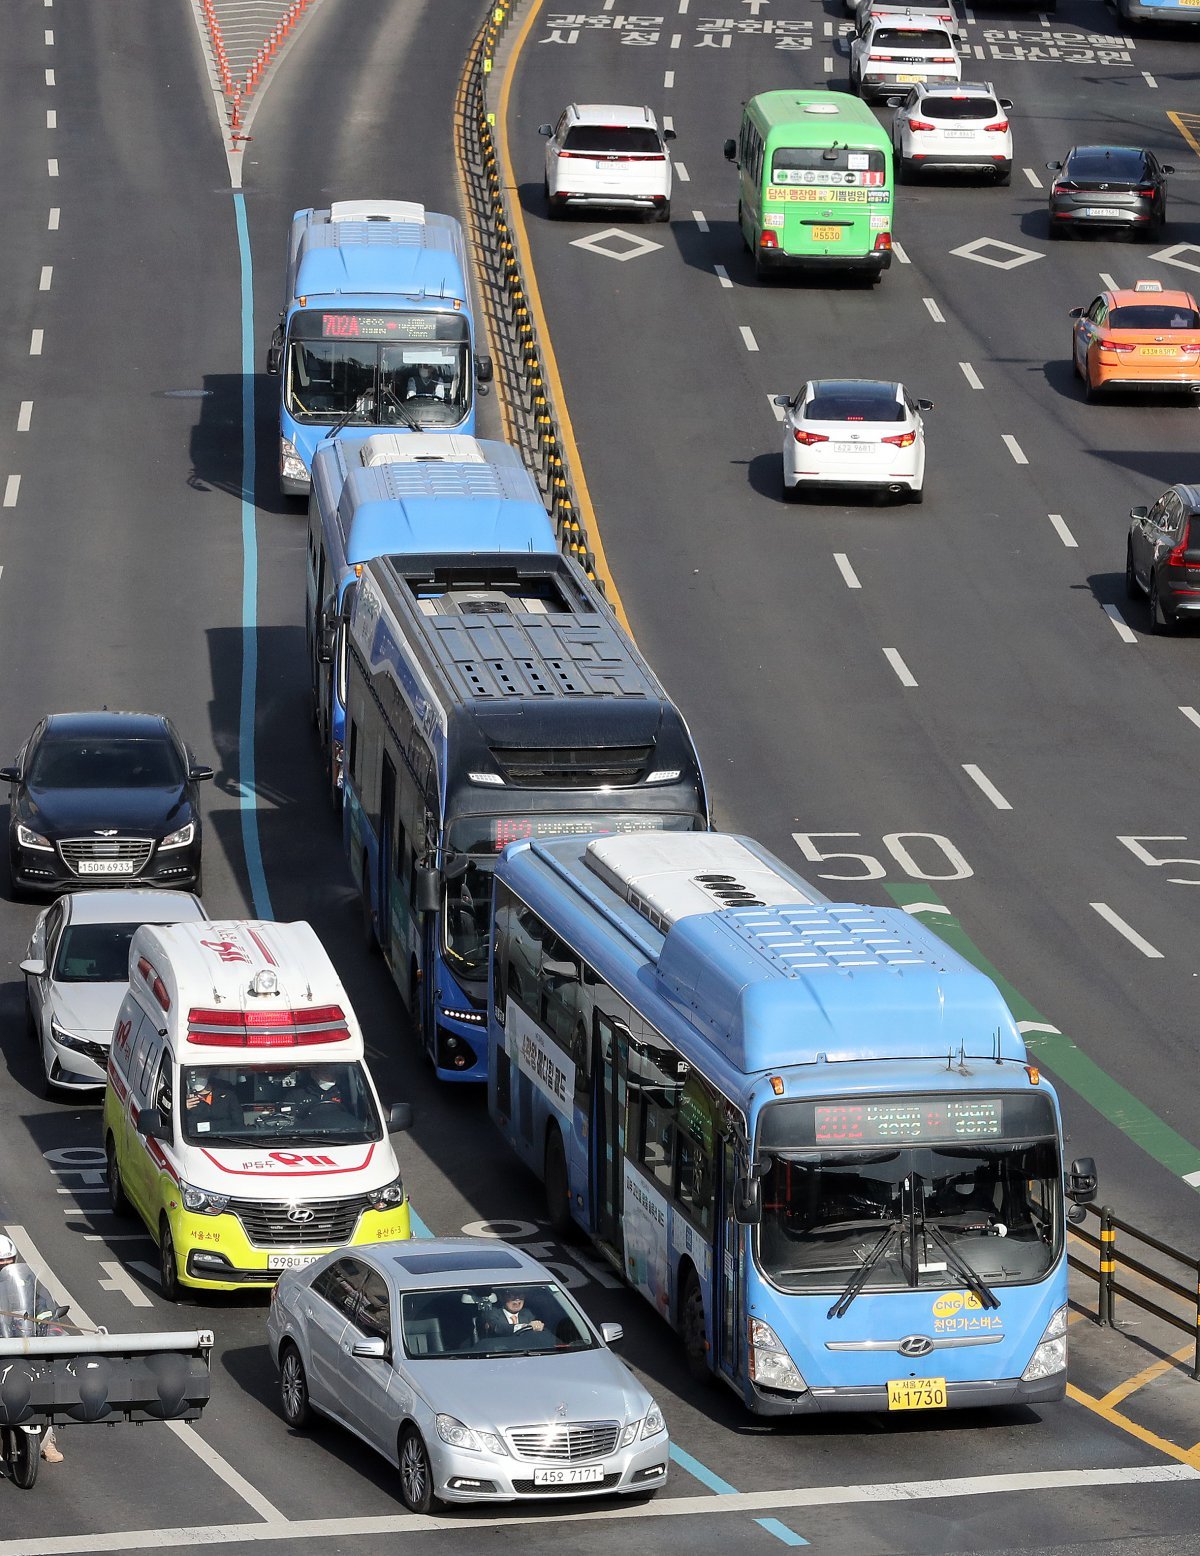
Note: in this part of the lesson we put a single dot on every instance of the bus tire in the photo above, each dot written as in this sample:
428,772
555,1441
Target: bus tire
369,938
558,1185
692,1329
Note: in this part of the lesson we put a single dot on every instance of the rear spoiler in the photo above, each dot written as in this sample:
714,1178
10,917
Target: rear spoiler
62,1379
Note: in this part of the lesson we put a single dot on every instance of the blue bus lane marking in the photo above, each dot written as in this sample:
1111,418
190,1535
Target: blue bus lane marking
706,1477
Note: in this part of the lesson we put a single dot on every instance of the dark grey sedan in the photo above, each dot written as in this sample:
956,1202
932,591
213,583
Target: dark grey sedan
1162,557
1109,188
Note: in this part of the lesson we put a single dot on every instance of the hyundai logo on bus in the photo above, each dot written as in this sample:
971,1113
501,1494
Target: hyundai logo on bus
299,1213
915,1345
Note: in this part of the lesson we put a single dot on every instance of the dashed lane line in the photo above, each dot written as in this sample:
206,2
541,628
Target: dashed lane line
846,570
827,64
25,416
903,674
676,39
971,375
1108,281
778,411
49,38
51,167
748,339
49,78
1033,178
668,80
1190,713
1014,448
36,341
52,224
1149,79
978,776
51,118
935,313
1120,626
1061,530
45,278
681,173
699,219
900,253
1125,929
12,488
722,275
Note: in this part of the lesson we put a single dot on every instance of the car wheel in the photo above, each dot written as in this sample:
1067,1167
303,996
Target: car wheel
117,1199
662,212
168,1270
1055,232
789,494
1160,622
916,494
1131,584
1004,179
31,1026
293,1389
908,171
1154,232
558,1184
692,1330
416,1473
49,1089
1090,391
554,206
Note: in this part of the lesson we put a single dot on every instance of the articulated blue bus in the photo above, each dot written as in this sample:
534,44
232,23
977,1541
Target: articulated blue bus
489,697
413,492
376,329
808,1133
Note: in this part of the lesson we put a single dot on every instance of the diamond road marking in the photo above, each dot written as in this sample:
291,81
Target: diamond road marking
1017,256
597,242
1171,256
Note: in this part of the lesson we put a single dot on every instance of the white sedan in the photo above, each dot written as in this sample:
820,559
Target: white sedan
854,432
77,973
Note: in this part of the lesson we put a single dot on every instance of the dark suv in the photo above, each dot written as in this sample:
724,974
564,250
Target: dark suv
1121,188
1162,557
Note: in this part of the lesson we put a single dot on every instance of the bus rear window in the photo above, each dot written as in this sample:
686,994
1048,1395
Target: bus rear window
827,165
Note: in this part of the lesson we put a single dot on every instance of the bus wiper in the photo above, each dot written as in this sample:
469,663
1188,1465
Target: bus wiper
406,416
961,1266
342,421
859,1279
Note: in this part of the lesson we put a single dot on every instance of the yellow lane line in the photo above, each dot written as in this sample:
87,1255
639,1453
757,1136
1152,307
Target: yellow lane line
1189,1456
1188,124
549,363
1148,1375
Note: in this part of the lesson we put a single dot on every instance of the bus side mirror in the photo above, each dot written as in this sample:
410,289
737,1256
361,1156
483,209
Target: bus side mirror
428,889
152,1126
731,151
747,1201
325,638
274,357
1082,1183
399,1117
483,370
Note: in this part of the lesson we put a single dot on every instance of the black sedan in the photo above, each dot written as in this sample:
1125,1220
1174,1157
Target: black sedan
97,799
1162,557
1111,188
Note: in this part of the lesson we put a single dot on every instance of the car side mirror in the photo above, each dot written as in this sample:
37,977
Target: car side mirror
483,370
10,774
612,1334
152,1126
274,358
731,151
199,773
894,102
1167,168
1075,313
1006,102
1054,167
35,967
374,1349
1138,514
747,1201
545,129
1082,1182
399,1117
668,135
428,889
781,399
924,405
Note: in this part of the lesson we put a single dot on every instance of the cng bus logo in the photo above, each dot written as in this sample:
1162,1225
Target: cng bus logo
951,1303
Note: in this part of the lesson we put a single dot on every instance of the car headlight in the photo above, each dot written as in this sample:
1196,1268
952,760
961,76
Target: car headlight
453,1431
291,465
388,1196
201,1202
63,1037
654,1422
770,1364
628,1435
28,838
1050,1353
179,839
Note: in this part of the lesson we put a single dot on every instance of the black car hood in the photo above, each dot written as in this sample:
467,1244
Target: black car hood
80,812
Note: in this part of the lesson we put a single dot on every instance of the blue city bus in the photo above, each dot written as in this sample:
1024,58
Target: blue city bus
808,1133
376,329
413,492
489,698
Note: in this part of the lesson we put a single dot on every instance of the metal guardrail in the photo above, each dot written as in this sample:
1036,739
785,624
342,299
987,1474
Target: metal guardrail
1112,1258
531,422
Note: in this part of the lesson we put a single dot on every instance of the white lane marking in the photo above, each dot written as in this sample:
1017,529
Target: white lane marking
120,1280
51,118
1014,448
667,122
681,173
51,167
979,51
1038,1026
49,78
698,218
44,280
35,342
1108,281
185,1433
968,16
669,80
847,572
24,415
903,673
1033,178
117,1237
92,1211
11,488
1192,1179
778,411
346,1528
49,39
978,776
722,275
52,224
608,5
1122,928
1043,19
676,39
80,1189
828,29
1125,633
748,339
1064,534
1149,79
683,7
926,907
935,313
827,64
1190,713
970,375
900,253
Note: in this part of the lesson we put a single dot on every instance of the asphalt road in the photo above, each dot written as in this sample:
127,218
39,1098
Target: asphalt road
122,555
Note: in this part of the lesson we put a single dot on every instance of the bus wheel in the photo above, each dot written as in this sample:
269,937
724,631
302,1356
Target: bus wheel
368,916
692,1330
558,1187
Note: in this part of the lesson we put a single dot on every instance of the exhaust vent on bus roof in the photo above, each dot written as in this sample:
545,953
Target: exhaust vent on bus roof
376,211
407,448
672,875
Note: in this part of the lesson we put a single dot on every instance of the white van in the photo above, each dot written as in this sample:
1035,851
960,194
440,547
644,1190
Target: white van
240,1119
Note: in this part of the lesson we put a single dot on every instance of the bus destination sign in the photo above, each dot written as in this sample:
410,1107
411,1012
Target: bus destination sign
379,326
935,1120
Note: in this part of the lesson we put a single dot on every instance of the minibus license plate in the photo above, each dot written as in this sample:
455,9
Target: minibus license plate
105,867
916,1393
574,1475
290,1261
827,234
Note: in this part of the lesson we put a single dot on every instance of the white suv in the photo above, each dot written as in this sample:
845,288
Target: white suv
901,52
603,154
963,126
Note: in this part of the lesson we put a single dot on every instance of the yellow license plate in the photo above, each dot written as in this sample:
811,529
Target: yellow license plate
1160,351
827,234
916,1393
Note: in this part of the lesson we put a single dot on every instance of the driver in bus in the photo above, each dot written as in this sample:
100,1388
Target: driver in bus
425,382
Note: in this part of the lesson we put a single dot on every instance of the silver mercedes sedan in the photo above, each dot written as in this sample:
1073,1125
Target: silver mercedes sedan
466,1364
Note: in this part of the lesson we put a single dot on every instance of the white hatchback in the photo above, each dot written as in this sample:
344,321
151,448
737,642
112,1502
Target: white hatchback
854,432
608,155
894,53
960,127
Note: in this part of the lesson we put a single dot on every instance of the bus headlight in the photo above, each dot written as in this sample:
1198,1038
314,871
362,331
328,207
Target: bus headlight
291,466
770,1364
1050,1353
388,1196
201,1202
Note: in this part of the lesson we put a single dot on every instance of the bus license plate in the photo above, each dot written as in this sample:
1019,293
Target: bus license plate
105,867
290,1261
827,234
916,1393
574,1475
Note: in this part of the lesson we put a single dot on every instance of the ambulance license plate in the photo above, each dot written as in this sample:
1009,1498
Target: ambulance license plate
916,1393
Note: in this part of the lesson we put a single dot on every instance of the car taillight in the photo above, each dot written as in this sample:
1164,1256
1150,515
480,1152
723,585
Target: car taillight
878,59
1190,351
809,438
901,440
767,239
998,128
1177,556
1064,188
1147,194
1113,345
920,124
943,59
883,243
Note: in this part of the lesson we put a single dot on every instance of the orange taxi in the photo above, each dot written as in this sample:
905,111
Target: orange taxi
1139,337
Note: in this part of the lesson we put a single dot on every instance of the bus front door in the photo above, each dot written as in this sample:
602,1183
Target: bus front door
610,1053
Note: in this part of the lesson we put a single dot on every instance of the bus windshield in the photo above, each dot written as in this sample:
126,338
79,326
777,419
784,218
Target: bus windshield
364,369
278,1105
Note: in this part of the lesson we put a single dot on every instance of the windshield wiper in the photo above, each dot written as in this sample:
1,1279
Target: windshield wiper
859,1279
406,416
962,1266
342,421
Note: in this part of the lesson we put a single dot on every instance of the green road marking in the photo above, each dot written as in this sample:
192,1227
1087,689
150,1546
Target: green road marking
1059,1053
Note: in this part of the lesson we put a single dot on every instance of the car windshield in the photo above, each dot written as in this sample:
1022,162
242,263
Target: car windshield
475,1321
113,763
604,141
278,1105
958,108
1153,316
852,404
94,953
1118,166
911,38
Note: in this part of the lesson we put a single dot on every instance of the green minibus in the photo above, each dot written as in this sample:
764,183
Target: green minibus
815,183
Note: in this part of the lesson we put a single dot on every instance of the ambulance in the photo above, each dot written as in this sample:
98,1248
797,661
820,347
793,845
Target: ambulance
240,1119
